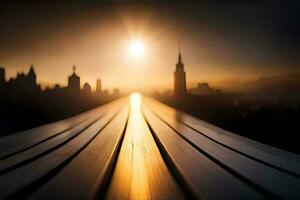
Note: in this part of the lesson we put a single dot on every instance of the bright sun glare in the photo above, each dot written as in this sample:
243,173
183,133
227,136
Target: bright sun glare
135,100
137,49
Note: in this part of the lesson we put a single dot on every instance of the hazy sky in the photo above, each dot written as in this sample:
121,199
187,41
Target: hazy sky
220,40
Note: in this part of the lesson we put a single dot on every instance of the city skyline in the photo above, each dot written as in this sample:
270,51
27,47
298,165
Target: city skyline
149,99
28,80
217,45
75,85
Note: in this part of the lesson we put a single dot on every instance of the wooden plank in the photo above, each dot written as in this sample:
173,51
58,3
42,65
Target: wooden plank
286,161
90,169
17,142
140,171
208,162
269,179
207,179
11,144
28,155
45,166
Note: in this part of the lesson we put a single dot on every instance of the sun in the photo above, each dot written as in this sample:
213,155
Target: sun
137,49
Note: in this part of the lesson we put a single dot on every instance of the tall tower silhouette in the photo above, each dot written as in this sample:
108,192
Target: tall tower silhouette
98,86
179,78
74,81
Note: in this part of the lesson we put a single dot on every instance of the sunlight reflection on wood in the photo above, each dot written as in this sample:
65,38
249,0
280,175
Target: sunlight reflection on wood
140,171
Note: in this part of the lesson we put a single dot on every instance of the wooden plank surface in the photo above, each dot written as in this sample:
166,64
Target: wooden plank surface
27,155
140,171
34,171
286,161
118,151
15,143
284,185
206,178
94,164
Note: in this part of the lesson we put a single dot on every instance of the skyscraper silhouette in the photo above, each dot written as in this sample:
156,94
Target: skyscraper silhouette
179,79
74,82
98,86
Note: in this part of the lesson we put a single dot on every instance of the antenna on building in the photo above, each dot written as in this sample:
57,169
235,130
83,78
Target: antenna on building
74,69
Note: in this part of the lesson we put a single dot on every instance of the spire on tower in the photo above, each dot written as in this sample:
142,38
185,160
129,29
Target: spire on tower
31,71
179,55
179,77
74,69
74,72
74,81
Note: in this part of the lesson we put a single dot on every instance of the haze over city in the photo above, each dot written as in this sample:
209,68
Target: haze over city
220,41
149,99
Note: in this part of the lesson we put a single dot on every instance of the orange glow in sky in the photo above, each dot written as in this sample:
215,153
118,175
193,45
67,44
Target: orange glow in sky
132,49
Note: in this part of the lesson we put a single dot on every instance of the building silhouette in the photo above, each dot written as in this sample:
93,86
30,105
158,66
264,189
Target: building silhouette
24,104
98,87
204,89
31,76
179,79
87,88
74,82
2,76
24,82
